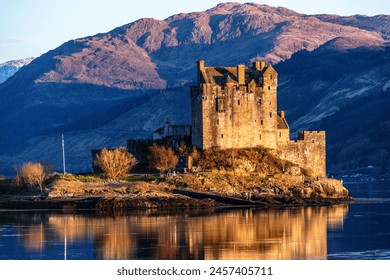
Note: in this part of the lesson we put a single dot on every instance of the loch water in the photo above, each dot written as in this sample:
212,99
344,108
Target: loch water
359,230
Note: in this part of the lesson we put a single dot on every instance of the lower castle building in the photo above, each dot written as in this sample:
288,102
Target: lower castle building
169,135
236,107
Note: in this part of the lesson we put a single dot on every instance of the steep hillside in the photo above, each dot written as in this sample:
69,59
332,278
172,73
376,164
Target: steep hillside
379,23
126,118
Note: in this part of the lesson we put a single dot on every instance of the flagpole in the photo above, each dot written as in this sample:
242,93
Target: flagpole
63,153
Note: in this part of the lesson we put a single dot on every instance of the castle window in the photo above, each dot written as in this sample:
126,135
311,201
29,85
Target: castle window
270,114
312,141
259,101
261,122
217,122
280,134
222,136
269,87
220,104
270,76
260,136
238,102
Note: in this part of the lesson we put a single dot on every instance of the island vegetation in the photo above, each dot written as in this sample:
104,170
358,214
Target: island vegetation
246,177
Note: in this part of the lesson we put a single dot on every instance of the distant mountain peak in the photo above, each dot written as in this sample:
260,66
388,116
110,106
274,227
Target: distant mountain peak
9,68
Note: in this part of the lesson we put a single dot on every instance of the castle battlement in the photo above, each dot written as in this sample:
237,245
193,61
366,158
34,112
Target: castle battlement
236,107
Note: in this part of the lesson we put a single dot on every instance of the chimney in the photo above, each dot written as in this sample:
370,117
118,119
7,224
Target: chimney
241,74
200,66
259,65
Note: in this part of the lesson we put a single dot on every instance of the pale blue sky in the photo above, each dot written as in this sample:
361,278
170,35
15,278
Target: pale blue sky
33,27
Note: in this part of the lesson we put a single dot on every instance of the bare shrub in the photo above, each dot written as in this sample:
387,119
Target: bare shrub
31,174
162,158
115,163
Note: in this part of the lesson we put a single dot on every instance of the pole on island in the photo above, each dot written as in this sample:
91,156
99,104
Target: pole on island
63,153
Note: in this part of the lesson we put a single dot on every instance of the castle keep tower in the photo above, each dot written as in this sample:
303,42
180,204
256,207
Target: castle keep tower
236,107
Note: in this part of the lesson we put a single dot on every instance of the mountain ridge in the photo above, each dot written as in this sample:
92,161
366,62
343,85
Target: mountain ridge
99,81
138,50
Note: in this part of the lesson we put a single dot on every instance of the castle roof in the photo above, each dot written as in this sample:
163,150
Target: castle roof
173,130
223,75
282,123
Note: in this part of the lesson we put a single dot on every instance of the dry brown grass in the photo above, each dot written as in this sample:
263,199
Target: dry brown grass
76,188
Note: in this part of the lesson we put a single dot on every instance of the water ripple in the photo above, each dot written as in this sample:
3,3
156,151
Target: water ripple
364,255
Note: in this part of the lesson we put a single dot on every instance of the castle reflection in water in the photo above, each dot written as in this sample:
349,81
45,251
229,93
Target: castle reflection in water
289,233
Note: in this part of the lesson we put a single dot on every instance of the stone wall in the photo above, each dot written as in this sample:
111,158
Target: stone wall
139,149
309,152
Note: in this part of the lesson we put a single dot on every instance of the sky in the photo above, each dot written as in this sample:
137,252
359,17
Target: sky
29,28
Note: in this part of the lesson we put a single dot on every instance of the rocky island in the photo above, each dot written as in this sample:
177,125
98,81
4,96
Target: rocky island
250,178
182,191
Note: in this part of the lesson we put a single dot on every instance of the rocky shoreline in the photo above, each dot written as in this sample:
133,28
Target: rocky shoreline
186,191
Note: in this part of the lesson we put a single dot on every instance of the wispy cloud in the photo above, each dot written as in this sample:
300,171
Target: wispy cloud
20,40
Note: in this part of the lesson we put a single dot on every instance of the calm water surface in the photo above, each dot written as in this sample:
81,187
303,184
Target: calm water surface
360,230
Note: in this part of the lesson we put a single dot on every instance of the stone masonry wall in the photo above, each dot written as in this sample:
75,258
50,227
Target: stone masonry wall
235,116
309,152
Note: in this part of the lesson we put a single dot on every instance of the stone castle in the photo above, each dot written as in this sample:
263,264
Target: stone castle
236,107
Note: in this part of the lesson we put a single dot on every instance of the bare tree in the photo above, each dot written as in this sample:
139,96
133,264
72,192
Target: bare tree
162,158
115,163
32,174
